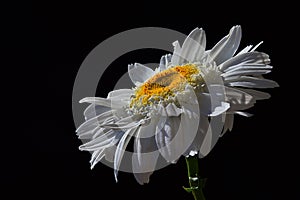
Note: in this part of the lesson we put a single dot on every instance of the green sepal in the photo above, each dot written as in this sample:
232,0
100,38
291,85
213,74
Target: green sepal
189,190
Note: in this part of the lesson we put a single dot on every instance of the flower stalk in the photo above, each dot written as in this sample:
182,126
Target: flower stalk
196,184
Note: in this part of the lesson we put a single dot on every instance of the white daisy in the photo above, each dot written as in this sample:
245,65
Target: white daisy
171,110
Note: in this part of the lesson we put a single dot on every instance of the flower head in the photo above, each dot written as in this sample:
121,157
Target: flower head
181,108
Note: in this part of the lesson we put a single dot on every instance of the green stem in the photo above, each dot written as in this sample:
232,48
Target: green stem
196,184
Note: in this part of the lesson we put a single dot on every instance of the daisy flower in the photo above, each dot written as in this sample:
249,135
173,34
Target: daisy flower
180,108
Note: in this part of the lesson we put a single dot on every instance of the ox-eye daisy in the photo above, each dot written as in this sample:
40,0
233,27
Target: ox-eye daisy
169,112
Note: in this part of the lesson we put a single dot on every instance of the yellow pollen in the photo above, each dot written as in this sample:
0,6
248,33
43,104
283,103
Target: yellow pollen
164,84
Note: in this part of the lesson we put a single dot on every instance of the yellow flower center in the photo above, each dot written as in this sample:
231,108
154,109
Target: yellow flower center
165,84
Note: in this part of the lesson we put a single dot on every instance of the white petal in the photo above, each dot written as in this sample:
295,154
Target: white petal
249,67
173,110
176,54
193,47
252,82
146,153
174,142
96,157
238,99
120,94
237,95
205,104
246,59
124,123
228,123
212,134
143,178
226,47
170,110
110,103
188,96
189,122
94,110
220,109
198,140
256,46
139,73
121,127
245,50
213,103
99,132
165,132
99,142
96,100
207,143
164,62
257,95
246,72
94,122
121,149
110,153
89,134
245,114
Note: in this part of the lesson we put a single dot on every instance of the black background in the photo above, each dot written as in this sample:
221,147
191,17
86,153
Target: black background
44,48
